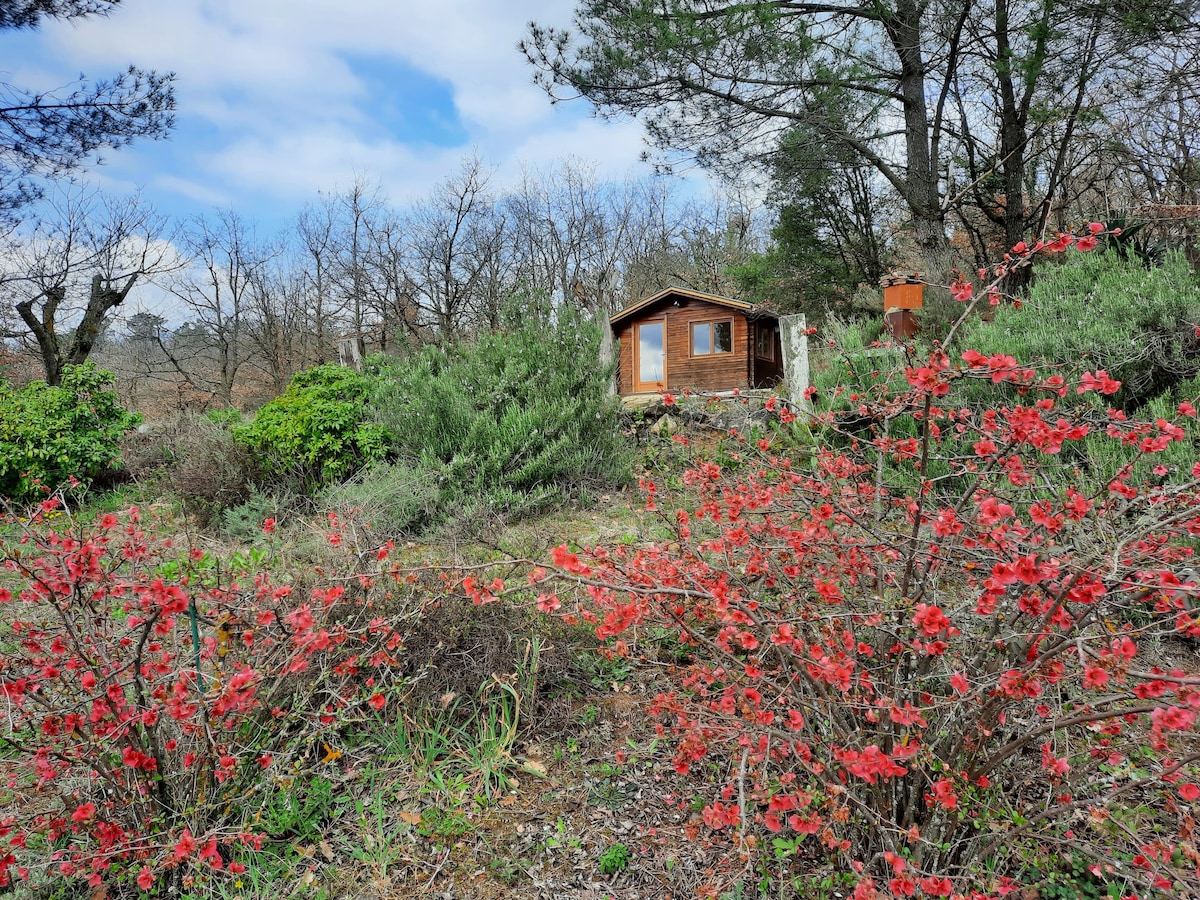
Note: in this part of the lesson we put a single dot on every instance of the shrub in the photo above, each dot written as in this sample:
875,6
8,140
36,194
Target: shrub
853,359
49,435
319,430
244,522
932,691
510,421
1105,312
199,460
394,498
156,698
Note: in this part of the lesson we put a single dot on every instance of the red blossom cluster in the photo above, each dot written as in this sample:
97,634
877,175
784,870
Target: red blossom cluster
889,635
127,742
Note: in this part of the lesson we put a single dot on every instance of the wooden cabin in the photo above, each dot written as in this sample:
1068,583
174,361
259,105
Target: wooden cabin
680,339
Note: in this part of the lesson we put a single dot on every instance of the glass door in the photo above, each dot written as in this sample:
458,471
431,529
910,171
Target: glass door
650,358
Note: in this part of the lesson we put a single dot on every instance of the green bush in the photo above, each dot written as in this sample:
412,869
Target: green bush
509,421
49,435
1103,459
1105,312
394,497
320,429
852,361
244,522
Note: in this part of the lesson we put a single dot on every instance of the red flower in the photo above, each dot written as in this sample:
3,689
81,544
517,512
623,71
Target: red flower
85,812
377,702
185,846
944,795
1099,382
930,620
938,887
565,559
1189,791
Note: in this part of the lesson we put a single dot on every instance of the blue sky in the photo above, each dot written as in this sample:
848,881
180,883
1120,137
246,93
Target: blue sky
282,99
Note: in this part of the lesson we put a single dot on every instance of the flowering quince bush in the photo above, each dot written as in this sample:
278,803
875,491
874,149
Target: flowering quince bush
134,754
919,685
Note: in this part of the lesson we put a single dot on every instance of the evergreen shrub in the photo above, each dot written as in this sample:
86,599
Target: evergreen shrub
1109,313
319,430
513,420
52,434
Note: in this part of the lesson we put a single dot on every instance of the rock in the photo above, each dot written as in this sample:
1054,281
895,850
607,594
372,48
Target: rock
666,426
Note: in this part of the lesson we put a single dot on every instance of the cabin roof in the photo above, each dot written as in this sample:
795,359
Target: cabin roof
742,306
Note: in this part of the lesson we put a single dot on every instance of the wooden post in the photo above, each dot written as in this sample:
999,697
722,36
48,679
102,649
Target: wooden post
350,353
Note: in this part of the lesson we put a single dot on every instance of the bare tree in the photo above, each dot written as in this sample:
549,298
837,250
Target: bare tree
355,211
315,248
277,326
1148,158
75,266
695,245
229,264
453,237
579,238
392,298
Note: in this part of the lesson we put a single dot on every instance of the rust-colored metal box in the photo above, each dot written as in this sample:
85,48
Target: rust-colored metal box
903,295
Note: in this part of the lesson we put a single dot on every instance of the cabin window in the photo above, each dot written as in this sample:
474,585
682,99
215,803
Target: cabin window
712,337
764,342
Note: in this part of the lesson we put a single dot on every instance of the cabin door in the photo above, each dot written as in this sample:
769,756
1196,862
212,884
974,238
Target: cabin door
650,357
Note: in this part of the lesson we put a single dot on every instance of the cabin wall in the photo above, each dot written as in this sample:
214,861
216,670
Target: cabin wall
624,335
713,371
767,372
740,369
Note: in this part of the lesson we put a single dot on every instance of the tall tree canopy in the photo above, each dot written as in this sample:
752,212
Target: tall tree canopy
48,133
939,97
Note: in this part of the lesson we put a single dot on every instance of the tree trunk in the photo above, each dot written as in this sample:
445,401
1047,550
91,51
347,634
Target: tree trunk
608,350
921,189
102,299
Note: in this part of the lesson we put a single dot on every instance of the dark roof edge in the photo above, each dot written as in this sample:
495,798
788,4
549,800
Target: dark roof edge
750,309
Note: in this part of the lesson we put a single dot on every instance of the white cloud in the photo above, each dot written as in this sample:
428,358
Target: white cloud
272,107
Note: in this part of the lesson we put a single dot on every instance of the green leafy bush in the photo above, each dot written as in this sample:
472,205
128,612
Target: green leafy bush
320,429
49,435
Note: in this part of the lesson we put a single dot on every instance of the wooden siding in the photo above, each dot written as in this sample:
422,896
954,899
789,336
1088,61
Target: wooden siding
625,358
711,371
707,372
767,372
